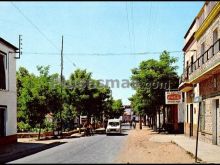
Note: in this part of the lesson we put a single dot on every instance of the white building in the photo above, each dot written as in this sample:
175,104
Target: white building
8,94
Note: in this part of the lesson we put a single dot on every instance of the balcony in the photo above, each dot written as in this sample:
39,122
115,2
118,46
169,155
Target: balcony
185,86
206,65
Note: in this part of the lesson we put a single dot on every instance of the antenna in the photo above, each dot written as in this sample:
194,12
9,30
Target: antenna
20,48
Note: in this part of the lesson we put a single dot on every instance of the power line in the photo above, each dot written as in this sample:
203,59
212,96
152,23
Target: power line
38,29
35,26
98,54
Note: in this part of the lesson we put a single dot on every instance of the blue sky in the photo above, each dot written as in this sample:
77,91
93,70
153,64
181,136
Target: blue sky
96,27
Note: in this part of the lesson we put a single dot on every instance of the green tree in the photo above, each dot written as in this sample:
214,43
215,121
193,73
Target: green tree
37,96
150,80
117,109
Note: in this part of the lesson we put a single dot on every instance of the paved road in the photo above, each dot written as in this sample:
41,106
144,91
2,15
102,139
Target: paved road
93,149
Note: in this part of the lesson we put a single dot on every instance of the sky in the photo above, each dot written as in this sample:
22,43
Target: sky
92,31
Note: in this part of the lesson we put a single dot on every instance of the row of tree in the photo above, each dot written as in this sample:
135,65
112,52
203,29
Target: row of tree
42,94
152,78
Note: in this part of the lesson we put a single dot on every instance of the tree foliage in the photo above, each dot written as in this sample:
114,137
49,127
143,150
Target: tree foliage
39,95
150,80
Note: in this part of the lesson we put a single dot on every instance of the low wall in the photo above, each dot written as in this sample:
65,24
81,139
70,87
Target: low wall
8,139
33,134
45,134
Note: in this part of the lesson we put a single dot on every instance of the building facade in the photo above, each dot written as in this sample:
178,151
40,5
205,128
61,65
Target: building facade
200,81
8,94
127,116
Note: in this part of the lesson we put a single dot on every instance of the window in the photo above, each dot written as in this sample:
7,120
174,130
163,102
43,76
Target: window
2,121
192,64
187,69
215,38
202,52
215,35
2,71
114,123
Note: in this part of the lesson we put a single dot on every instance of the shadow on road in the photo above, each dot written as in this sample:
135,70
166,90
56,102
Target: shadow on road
123,134
19,150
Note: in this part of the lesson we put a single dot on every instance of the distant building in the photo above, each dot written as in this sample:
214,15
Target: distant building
200,80
8,94
127,114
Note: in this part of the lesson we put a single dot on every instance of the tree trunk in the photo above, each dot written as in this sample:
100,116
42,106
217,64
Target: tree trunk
145,122
153,122
140,122
79,124
79,120
39,132
163,117
156,121
159,118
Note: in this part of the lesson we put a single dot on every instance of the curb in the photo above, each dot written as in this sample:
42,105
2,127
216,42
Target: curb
189,152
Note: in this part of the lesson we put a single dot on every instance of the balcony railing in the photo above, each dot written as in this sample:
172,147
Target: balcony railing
204,58
184,77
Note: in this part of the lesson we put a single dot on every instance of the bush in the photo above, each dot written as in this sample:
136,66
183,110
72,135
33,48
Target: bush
23,127
48,126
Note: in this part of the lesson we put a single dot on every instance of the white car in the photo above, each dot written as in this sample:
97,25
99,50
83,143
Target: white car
113,126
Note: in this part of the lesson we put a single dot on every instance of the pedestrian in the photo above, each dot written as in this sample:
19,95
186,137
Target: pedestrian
87,129
134,122
91,129
130,122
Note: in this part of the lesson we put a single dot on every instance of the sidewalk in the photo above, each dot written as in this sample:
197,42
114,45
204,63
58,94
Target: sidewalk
207,153
147,146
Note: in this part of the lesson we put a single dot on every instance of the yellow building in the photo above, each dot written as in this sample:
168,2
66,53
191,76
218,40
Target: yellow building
200,80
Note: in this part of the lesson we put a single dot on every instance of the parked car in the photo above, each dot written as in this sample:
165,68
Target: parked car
113,126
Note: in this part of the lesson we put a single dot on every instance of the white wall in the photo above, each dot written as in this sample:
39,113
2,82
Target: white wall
9,97
181,111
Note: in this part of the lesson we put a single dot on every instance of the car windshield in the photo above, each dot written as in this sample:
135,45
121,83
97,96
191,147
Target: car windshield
113,123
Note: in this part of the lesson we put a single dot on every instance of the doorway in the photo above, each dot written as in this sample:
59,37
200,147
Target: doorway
191,120
215,123
2,121
218,121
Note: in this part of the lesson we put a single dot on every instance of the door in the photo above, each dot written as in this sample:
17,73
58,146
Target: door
2,121
218,121
191,120
215,122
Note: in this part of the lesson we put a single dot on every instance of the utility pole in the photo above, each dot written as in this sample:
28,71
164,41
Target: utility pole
61,81
197,133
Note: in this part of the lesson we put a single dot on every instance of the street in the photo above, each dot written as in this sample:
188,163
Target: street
92,149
